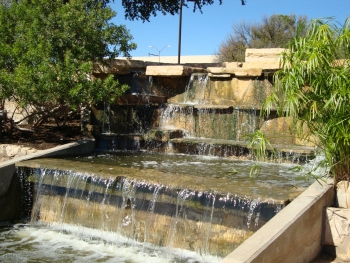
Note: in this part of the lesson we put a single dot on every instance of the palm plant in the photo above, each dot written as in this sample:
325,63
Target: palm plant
313,86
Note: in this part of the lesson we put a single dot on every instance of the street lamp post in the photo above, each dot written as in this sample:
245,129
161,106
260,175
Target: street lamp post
180,27
159,51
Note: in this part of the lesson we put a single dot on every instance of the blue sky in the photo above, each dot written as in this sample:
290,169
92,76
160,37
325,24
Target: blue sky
203,33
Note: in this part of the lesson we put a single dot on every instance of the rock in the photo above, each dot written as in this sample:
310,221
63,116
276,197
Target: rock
3,150
337,231
12,150
343,194
26,150
8,151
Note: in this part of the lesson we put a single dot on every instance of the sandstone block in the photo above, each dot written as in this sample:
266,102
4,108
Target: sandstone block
262,54
217,70
273,64
337,231
239,72
233,64
277,130
242,72
177,70
343,194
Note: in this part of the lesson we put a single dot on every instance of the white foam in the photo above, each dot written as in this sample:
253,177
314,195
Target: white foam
63,243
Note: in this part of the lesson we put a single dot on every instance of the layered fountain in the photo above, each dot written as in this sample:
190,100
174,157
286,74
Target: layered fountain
169,180
198,110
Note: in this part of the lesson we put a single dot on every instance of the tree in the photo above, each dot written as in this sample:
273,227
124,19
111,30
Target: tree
143,10
312,86
47,52
233,48
272,32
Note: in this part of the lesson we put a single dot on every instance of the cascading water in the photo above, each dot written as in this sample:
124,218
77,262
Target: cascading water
197,89
199,112
207,122
210,116
137,207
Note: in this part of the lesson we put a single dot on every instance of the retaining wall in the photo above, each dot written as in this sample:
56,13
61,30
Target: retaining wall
296,234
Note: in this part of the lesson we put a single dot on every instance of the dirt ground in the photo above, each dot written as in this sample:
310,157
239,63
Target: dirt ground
46,136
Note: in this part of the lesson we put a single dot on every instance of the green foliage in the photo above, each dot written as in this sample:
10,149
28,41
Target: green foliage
233,171
275,31
143,10
48,48
255,171
259,145
313,87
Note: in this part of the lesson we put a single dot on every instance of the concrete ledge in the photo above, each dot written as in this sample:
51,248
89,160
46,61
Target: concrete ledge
7,168
294,235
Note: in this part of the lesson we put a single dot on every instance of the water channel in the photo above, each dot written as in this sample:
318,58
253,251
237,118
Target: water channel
142,207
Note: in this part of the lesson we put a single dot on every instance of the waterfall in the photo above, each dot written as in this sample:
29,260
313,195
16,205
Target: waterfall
196,91
142,212
178,209
209,122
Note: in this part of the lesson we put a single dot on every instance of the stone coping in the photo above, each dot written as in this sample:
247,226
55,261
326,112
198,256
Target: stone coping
174,70
293,235
7,168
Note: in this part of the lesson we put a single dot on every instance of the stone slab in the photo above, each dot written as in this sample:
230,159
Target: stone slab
265,65
232,64
176,70
217,70
119,66
343,194
239,72
337,231
262,54
246,72
219,75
